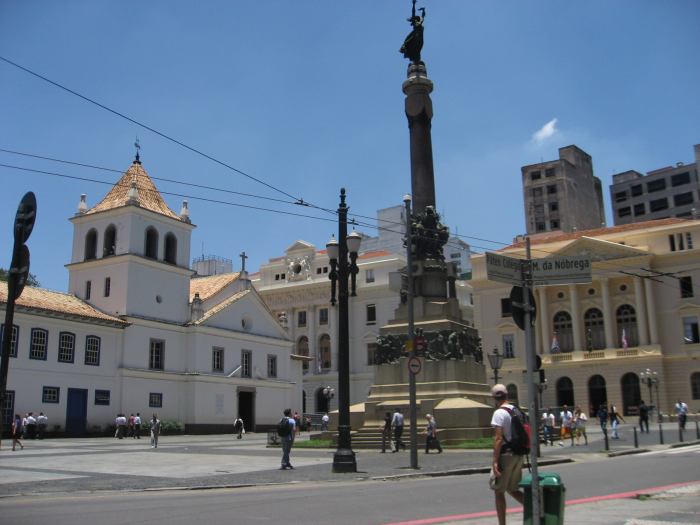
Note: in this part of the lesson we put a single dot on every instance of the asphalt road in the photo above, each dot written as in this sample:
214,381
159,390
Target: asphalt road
348,501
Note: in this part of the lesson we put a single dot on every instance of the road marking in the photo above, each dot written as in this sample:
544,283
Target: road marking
678,450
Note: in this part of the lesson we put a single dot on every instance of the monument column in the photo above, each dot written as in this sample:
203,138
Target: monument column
609,320
651,311
576,317
642,323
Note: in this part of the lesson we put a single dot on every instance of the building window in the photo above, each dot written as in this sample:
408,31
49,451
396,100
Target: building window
680,179
217,359
50,394
155,361
552,189
372,353
92,350
303,349
371,314
537,192
563,329
108,286
549,172
657,185
102,397
271,366
13,341
323,316
658,205
509,346
595,329
151,243
539,208
636,190
110,241
246,358
325,351
683,199
639,209
624,212
91,245
8,409
621,196
505,307
88,290
686,287
553,206
301,318
66,347
695,385
155,400
369,276
690,330
627,320
170,255
535,175
554,225
541,226
38,348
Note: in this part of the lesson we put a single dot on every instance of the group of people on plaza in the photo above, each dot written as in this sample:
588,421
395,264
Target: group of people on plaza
397,423
30,426
130,427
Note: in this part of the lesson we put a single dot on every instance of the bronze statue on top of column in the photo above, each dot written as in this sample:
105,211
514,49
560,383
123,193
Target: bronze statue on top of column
413,44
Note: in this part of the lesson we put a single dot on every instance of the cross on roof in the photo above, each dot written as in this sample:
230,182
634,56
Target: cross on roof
243,257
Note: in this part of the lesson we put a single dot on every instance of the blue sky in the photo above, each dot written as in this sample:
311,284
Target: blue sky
306,96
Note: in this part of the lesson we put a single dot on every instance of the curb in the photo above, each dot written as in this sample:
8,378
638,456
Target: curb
628,452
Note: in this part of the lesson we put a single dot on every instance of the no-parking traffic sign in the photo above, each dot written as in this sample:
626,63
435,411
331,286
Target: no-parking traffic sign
414,365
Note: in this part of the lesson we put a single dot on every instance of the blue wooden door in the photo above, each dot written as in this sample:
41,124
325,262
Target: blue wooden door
76,412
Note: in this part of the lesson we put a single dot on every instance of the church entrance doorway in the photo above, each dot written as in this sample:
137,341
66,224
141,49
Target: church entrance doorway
246,409
597,392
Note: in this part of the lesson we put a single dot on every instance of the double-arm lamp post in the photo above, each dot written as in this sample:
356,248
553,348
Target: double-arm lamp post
338,252
496,361
329,393
649,377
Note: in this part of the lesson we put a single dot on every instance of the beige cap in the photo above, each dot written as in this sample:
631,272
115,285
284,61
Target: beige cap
499,390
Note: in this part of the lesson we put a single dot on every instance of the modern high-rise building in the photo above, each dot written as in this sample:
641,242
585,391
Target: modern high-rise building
662,193
563,195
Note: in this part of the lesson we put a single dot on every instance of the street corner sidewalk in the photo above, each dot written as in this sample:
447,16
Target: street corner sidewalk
670,505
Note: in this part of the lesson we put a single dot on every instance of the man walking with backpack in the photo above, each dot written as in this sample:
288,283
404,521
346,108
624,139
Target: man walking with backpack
508,453
286,429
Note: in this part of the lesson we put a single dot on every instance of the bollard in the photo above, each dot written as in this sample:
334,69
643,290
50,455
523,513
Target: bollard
661,435
605,433
636,443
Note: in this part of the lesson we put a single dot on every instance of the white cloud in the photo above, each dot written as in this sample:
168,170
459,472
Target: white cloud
547,131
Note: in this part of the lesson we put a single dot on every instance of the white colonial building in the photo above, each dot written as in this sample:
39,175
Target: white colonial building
645,285
136,333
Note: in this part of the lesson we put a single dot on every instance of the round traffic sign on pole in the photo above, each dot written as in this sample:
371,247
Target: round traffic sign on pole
414,365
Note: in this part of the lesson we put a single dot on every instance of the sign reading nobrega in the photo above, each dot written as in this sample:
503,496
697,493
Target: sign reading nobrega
503,269
553,271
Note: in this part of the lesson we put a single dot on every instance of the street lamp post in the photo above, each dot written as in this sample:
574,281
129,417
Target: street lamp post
338,252
329,393
496,361
541,387
649,378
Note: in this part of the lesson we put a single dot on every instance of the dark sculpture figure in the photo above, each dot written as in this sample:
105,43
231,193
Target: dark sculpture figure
413,44
442,345
428,235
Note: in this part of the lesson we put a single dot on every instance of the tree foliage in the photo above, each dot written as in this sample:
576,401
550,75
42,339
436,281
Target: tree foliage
31,279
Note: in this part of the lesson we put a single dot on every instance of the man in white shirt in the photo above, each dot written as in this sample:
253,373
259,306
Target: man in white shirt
41,422
682,410
507,469
31,426
324,422
398,423
566,416
137,426
548,426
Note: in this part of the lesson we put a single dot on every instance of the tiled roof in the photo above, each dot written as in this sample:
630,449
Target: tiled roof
149,197
208,287
599,232
57,302
378,253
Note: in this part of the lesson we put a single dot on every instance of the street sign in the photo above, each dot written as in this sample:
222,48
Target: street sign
21,267
503,269
25,217
414,365
517,306
420,346
553,271
409,345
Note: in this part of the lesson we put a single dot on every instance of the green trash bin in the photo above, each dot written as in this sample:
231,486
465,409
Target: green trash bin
551,503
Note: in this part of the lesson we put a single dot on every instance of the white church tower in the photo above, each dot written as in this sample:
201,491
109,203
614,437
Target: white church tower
131,252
